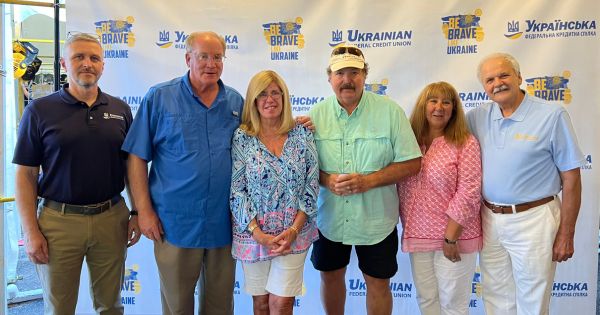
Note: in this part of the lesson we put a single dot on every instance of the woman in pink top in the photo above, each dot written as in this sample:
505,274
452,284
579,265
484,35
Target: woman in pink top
439,207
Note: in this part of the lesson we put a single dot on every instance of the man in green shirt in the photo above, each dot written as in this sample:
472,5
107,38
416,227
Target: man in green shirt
365,145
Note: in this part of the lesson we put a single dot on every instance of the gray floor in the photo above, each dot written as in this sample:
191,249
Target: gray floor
30,281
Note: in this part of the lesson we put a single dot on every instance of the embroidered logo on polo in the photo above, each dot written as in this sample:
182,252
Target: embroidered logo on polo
537,29
284,38
551,87
131,285
113,116
463,32
116,36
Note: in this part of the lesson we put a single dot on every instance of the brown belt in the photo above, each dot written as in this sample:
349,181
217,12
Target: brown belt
506,209
93,209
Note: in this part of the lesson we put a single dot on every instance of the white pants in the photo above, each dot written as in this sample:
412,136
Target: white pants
443,287
517,270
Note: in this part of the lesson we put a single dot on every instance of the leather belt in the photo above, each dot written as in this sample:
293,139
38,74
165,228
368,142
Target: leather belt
506,209
92,209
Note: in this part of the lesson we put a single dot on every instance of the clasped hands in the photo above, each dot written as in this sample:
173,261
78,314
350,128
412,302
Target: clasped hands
347,184
278,245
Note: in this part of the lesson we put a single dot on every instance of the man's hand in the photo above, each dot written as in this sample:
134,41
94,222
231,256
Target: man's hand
150,225
133,231
306,122
36,247
348,184
563,248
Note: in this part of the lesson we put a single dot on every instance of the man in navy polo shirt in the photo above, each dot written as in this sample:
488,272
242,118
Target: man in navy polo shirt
75,135
185,126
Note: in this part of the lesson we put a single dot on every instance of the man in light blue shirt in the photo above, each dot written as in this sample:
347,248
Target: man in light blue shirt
185,126
365,145
529,154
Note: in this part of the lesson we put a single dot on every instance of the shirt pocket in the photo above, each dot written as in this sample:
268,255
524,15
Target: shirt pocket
329,149
373,151
183,133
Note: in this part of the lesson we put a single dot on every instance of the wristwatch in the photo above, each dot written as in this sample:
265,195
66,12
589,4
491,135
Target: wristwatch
451,242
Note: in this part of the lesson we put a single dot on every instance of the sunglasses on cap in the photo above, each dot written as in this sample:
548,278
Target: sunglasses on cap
344,49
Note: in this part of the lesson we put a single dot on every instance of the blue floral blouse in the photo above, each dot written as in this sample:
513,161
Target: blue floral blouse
272,189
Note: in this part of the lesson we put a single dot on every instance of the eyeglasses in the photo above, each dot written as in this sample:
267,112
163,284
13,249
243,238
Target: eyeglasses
72,35
345,49
205,58
275,95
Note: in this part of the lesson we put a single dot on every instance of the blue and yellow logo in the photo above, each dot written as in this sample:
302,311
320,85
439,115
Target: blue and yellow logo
363,39
551,88
284,38
463,32
131,284
116,36
558,28
513,30
377,88
165,40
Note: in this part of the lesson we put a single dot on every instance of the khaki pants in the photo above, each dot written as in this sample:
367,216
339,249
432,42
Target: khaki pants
102,240
181,268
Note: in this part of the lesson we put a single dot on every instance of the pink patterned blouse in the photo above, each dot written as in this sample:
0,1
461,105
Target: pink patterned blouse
448,186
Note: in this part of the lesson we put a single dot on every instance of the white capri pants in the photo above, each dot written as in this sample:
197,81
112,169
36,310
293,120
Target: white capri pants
443,287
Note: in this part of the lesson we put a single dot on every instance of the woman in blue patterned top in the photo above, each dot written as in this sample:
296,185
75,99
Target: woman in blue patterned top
274,190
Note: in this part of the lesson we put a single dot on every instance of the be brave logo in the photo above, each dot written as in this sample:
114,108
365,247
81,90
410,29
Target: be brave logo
463,32
551,87
285,39
116,37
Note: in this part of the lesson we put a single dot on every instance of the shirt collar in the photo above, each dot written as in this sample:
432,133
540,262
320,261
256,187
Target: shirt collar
188,87
66,97
341,112
518,115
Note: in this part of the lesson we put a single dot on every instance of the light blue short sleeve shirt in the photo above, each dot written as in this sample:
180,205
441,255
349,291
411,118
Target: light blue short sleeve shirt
523,155
375,135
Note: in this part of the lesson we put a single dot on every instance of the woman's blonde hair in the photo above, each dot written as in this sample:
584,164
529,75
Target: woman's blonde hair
250,115
456,131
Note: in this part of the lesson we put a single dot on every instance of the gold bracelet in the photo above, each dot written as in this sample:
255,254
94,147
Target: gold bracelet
252,227
293,228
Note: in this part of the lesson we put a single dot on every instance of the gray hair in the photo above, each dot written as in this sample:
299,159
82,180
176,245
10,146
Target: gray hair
189,41
507,57
79,36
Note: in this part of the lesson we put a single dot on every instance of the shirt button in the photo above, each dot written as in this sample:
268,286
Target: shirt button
347,162
347,220
347,143
347,201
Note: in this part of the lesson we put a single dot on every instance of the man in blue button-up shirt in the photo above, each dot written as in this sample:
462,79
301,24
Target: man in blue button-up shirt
184,126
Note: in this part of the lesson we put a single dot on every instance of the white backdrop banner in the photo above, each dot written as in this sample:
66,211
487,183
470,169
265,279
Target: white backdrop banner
408,44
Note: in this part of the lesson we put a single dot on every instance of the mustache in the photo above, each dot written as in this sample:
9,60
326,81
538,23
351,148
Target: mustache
348,86
501,88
